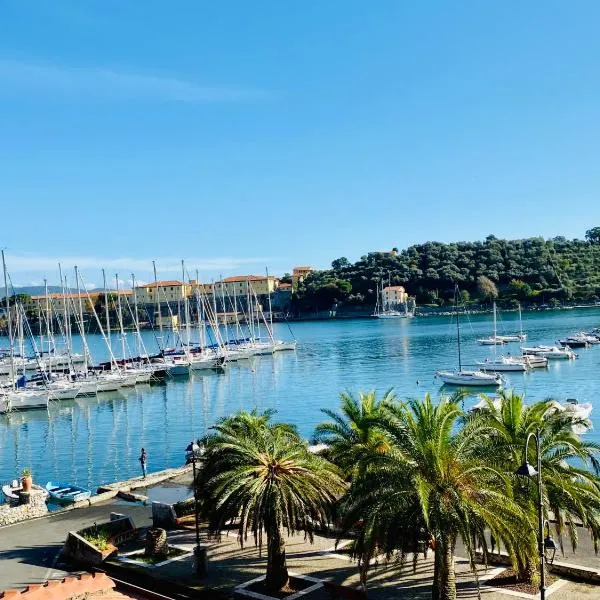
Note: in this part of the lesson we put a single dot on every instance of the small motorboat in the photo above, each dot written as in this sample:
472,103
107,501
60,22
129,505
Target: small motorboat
574,342
11,492
65,493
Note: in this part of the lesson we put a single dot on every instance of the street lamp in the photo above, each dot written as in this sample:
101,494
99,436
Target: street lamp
199,553
527,470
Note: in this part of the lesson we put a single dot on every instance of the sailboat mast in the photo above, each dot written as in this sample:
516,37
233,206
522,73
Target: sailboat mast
457,328
157,303
135,316
106,311
120,314
9,325
270,307
186,309
85,349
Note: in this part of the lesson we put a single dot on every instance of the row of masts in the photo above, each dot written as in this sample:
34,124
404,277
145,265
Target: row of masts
68,374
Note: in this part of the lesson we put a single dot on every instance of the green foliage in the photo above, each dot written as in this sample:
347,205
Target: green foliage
99,539
555,268
570,465
486,288
593,235
340,263
261,476
26,473
465,297
430,486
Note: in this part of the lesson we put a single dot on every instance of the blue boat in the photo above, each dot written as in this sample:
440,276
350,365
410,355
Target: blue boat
66,493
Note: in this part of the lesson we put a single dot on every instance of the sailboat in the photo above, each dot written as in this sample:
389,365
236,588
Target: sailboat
502,363
383,309
13,397
464,377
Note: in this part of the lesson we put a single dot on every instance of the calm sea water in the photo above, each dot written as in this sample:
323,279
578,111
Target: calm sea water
98,440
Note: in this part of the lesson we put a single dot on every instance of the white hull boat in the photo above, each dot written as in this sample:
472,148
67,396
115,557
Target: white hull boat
280,346
178,368
513,338
23,399
536,362
470,378
503,363
491,341
203,363
63,391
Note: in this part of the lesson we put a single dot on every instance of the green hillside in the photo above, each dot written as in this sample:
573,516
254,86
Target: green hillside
531,270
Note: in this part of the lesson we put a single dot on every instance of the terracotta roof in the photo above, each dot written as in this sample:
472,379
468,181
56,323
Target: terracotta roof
167,283
64,589
303,268
283,286
394,287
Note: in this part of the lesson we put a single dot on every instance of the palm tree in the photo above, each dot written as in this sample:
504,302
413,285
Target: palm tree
352,435
430,488
570,466
261,476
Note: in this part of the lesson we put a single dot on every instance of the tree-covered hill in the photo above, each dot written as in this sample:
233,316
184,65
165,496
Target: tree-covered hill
529,270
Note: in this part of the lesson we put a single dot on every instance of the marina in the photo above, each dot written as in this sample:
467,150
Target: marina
90,441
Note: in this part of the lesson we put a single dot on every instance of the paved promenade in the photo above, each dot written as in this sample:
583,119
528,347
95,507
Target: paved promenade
29,553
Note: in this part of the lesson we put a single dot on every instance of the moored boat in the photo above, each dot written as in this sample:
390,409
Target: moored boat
65,493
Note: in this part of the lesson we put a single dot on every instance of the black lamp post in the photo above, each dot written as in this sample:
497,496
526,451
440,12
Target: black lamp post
199,558
527,470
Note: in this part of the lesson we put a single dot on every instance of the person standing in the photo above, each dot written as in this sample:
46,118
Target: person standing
143,461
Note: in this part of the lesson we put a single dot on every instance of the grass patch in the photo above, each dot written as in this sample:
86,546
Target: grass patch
100,540
153,560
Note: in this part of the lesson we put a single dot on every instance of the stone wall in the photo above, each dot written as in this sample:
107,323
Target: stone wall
14,514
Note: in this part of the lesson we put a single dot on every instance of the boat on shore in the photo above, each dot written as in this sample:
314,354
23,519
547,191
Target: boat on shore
11,492
65,493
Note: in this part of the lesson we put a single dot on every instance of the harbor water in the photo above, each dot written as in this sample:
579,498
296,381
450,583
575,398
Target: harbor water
91,441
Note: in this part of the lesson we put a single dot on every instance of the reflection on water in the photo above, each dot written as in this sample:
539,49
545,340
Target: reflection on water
97,440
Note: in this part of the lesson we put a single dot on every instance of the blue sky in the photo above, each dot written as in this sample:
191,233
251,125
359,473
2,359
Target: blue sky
242,134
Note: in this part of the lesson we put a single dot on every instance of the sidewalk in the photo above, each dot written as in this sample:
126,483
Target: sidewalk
29,551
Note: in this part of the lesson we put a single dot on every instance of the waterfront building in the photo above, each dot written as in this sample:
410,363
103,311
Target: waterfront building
299,274
394,295
156,292
240,285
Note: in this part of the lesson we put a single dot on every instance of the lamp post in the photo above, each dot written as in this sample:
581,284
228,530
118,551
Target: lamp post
199,558
527,470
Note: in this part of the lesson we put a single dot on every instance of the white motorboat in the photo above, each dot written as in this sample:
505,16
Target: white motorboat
281,345
503,363
556,353
536,362
578,411
470,378
493,340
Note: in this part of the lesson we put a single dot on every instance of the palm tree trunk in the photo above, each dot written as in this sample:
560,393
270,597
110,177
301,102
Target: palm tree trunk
277,573
447,574
437,568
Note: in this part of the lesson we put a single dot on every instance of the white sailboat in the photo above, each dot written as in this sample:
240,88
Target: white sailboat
502,363
383,310
13,398
462,377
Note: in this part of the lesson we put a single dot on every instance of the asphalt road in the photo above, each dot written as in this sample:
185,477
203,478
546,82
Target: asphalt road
29,551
